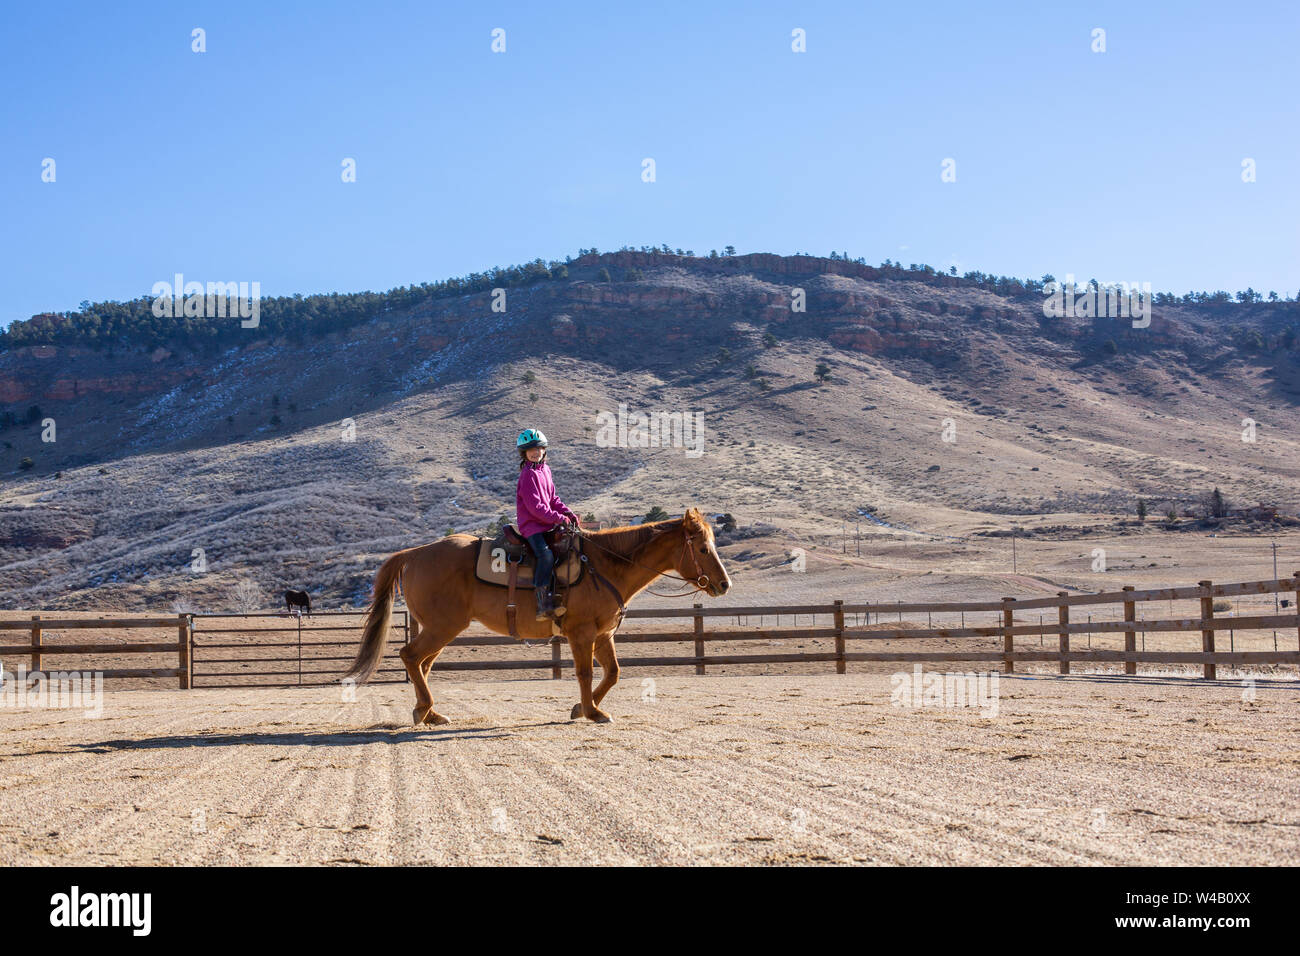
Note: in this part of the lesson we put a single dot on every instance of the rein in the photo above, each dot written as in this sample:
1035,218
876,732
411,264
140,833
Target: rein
700,582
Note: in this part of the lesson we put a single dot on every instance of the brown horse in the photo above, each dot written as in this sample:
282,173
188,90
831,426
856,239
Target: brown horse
444,596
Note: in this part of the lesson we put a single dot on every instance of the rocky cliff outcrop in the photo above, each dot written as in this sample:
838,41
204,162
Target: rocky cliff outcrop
674,301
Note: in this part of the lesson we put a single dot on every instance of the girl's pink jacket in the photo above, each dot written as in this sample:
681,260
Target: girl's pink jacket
537,506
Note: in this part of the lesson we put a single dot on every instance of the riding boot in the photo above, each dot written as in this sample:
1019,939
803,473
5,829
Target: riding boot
545,605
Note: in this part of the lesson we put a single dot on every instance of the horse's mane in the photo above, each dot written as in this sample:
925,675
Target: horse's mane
628,540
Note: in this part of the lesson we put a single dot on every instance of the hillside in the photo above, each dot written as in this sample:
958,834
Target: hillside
240,451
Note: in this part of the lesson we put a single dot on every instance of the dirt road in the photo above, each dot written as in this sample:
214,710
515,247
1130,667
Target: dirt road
694,770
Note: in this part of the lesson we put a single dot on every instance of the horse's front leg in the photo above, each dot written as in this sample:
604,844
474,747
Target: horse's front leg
608,660
582,643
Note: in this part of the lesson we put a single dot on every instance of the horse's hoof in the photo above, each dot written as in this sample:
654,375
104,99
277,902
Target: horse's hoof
420,716
598,716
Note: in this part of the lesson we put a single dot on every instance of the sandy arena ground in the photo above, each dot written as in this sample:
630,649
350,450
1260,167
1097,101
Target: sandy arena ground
791,769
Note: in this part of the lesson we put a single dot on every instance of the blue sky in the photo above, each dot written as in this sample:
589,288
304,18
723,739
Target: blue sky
225,165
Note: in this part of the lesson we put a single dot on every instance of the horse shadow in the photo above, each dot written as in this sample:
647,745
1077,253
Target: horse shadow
335,738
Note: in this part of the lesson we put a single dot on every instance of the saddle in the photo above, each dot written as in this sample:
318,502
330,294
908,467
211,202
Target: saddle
496,555
507,561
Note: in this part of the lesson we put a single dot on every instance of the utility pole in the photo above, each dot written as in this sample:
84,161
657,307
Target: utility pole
1013,549
857,537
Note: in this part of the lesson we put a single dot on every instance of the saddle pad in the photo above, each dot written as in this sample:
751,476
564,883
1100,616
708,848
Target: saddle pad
492,568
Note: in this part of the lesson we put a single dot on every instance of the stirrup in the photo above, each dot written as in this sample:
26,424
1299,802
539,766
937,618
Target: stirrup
557,610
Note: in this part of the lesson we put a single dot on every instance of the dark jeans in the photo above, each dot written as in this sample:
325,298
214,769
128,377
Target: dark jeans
545,560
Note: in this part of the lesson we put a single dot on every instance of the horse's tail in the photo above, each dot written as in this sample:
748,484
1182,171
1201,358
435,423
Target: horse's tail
375,635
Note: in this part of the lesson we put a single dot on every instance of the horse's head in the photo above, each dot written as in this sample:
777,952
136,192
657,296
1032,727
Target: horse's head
698,559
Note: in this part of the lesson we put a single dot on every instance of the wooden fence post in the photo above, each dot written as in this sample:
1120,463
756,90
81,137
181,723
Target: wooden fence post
1207,636
1063,617
555,658
1296,575
1008,665
183,650
36,643
1130,637
699,639
839,637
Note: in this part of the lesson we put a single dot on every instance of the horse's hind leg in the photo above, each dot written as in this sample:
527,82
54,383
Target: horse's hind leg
418,657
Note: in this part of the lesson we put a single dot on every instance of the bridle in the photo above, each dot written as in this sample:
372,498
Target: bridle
701,582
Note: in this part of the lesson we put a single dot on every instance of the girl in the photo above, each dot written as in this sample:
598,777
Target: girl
538,509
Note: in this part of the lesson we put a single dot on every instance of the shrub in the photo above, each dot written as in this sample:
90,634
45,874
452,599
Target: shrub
247,596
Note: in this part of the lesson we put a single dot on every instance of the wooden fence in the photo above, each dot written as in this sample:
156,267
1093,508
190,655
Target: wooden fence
282,649
38,649
193,645
1206,624
215,650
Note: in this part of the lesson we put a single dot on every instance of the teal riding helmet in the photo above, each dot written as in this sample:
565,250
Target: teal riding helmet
530,438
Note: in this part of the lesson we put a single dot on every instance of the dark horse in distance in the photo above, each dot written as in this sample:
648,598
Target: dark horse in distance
294,599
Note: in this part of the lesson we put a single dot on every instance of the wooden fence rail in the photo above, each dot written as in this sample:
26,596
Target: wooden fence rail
37,649
205,650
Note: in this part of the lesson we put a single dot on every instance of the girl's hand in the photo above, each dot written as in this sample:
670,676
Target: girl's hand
577,522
